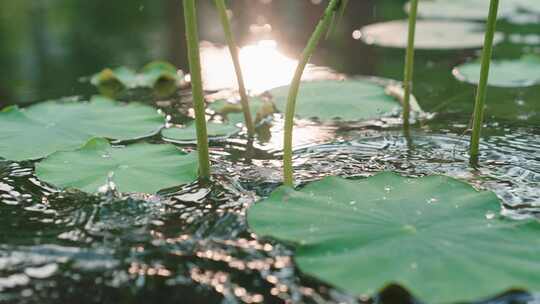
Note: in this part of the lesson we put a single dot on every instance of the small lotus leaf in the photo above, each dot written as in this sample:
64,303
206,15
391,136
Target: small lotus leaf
48,127
159,75
430,34
503,73
214,130
348,100
435,235
139,167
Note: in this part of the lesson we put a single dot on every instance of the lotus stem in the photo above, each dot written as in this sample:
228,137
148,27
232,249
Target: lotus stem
337,18
409,65
478,116
321,28
192,39
229,36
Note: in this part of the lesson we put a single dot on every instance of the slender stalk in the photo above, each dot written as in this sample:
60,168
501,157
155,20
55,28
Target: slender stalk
409,65
321,28
336,19
229,36
192,38
478,118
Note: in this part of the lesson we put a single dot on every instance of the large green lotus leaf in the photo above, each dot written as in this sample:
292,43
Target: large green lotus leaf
462,9
430,34
135,168
51,126
503,73
214,130
349,100
435,235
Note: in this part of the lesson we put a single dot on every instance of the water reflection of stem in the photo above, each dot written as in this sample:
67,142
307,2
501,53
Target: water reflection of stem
478,116
295,86
229,36
409,65
192,38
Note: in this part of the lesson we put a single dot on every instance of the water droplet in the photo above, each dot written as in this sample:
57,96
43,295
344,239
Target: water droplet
432,200
352,203
490,215
41,272
106,155
387,188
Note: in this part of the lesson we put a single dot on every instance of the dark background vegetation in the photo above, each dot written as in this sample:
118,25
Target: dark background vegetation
46,46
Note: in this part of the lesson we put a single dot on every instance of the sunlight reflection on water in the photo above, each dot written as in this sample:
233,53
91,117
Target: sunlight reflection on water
264,67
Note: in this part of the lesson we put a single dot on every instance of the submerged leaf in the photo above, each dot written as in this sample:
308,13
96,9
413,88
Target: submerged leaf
503,73
348,100
214,130
136,168
435,235
430,34
48,127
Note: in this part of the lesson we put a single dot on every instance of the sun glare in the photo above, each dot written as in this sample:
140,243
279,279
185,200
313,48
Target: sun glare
263,67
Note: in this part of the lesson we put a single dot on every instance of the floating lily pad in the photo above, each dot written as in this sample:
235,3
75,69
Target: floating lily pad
430,34
161,76
349,100
435,235
214,130
503,73
48,127
461,9
136,168
530,6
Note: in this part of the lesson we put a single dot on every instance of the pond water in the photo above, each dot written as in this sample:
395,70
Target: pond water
191,244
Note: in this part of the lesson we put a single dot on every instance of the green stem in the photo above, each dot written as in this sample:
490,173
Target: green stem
409,65
192,38
321,28
222,9
336,19
478,119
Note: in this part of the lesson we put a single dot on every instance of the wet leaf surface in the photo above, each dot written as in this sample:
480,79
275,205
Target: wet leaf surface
430,34
135,168
463,9
435,235
350,100
214,131
515,73
42,129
